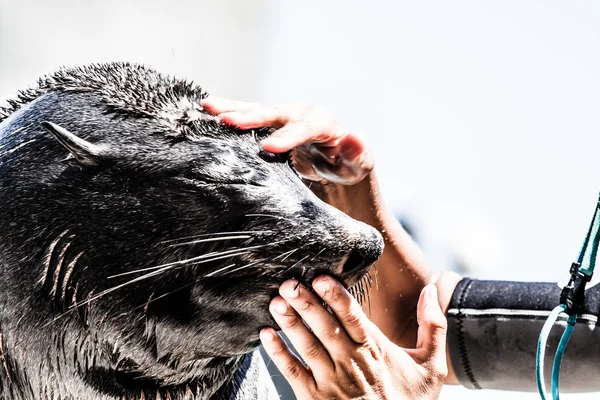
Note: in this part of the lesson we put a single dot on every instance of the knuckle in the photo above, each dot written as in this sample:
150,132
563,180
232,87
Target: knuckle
305,306
377,350
372,349
280,352
337,296
332,332
292,369
312,350
290,322
353,319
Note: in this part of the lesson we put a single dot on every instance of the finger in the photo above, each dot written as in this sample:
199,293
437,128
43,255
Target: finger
346,308
306,125
347,163
257,117
350,149
295,134
290,367
431,339
300,158
323,325
307,345
217,105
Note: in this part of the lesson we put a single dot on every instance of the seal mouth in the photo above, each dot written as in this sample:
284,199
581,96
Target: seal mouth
359,287
354,268
358,283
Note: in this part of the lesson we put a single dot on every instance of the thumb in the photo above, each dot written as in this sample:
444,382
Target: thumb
431,339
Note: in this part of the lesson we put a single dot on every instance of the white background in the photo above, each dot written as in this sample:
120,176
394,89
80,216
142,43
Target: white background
483,115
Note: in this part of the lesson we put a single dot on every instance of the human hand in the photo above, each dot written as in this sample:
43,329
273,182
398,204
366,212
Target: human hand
322,150
346,355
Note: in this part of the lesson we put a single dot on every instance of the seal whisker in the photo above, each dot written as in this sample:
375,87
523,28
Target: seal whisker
145,305
15,132
59,266
317,255
193,259
171,266
211,240
137,279
294,250
219,270
301,276
361,289
271,216
17,147
68,273
244,266
158,271
290,268
48,257
287,254
152,299
215,234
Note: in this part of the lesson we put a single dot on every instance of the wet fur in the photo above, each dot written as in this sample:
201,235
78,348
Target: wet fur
142,267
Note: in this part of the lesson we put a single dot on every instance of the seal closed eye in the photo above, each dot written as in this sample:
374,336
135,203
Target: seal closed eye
142,240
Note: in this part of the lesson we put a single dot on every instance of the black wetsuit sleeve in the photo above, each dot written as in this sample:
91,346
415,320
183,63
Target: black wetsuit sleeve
493,330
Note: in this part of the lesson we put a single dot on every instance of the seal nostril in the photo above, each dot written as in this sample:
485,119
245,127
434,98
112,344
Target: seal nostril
357,260
365,253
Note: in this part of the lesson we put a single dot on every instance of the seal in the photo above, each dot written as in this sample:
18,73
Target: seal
142,240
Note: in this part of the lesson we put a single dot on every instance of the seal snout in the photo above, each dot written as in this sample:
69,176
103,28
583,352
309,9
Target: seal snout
367,250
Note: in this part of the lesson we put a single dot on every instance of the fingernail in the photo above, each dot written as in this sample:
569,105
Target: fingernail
267,335
281,307
290,289
322,285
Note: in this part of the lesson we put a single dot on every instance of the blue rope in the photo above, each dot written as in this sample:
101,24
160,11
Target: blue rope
587,257
541,349
560,351
573,296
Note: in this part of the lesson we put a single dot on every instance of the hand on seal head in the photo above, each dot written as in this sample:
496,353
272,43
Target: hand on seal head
346,355
322,150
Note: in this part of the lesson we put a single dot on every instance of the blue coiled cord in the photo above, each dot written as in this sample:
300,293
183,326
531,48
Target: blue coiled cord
571,303
541,349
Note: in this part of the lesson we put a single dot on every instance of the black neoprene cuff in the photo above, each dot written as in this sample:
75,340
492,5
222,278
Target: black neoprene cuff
493,329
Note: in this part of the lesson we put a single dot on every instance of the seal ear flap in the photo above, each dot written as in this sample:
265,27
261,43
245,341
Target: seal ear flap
84,152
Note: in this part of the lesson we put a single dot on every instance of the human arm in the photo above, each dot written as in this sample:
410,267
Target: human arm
493,325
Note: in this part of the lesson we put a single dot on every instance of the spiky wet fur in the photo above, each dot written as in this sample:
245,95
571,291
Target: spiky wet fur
141,264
